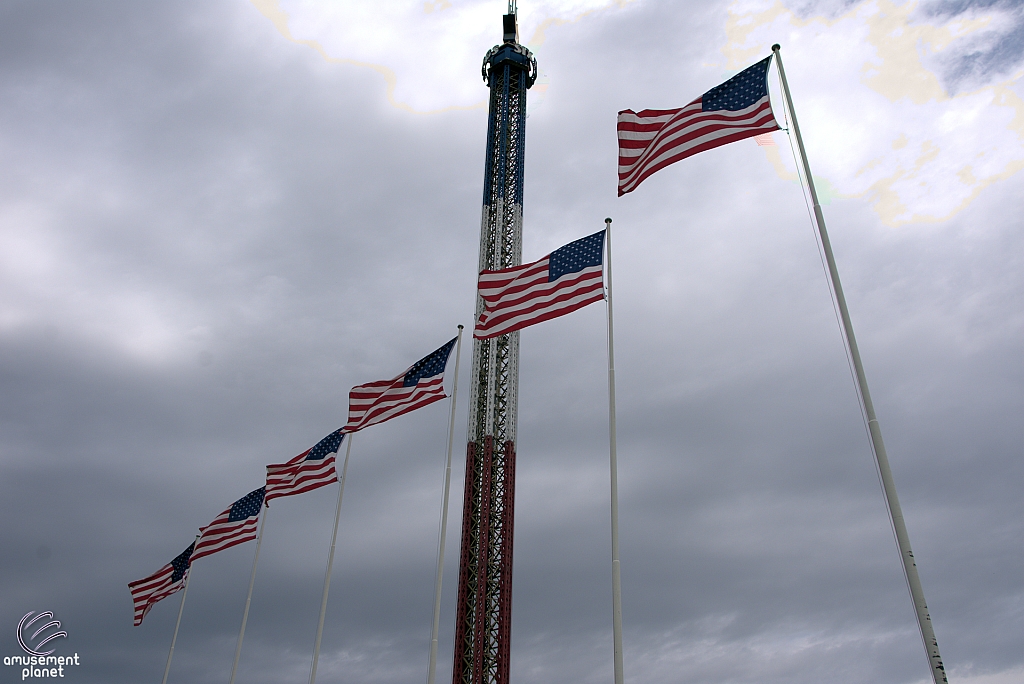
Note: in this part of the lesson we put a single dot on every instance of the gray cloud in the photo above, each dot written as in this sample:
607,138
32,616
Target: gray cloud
989,55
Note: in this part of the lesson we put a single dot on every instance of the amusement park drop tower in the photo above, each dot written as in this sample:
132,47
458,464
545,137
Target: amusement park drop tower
484,612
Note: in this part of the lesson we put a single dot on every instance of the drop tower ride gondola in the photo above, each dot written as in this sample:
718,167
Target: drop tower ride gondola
484,611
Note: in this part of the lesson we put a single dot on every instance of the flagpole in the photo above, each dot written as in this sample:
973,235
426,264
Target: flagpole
181,608
248,598
432,666
924,620
330,564
613,460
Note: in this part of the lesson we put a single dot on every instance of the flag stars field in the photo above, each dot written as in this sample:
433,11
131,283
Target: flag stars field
247,506
428,367
739,92
576,256
327,445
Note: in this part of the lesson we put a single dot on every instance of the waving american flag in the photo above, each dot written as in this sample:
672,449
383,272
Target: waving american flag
565,280
421,384
311,469
161,584
235,525
654,138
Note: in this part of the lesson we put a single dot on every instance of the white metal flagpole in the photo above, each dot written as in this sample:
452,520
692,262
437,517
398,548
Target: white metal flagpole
432,666
181,608
248,597
613,459
330,563
924,620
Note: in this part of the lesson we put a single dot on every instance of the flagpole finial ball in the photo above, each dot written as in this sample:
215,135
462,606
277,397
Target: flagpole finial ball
460,326
776,47
607,220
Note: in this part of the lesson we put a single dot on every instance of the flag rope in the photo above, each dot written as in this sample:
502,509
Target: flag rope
808,204
924,621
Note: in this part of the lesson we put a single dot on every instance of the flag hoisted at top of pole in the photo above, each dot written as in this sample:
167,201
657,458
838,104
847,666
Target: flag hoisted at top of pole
237,524
654,138
421,384
565,280
311,469
161,584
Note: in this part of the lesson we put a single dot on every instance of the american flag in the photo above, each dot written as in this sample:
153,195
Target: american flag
161,584
565,280
235,525
309,470
422,384
654,138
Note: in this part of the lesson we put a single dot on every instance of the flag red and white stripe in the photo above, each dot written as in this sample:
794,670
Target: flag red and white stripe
420,385
562,282
312,469
161,584
652,139
236,525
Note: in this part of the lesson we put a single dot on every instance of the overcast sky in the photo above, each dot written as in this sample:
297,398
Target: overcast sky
217,217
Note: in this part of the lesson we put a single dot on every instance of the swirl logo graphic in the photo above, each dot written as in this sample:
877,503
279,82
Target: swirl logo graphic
26,624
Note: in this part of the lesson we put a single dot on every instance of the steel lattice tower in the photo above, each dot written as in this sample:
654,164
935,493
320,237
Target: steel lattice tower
484,613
